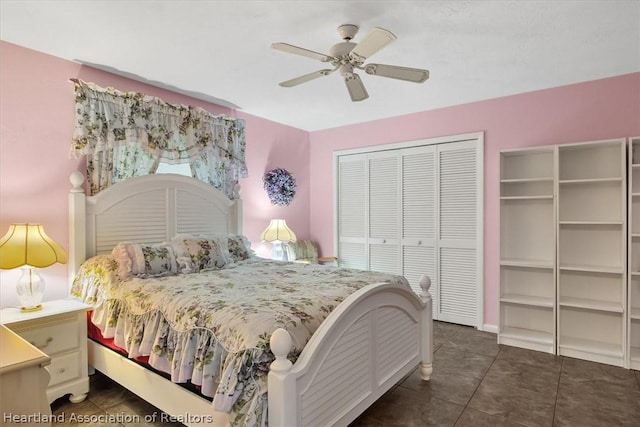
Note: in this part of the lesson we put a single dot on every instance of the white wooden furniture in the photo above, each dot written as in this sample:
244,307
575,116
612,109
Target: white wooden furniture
563,250
23,382
60,331
367,344
591,291
527,249
415,208
633,327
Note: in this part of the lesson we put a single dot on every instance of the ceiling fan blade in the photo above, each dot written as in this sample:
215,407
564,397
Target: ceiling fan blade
355,87
372,43
416,75
285,47
302,79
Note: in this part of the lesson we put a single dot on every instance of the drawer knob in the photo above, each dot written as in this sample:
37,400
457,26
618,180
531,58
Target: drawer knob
61,370
49,340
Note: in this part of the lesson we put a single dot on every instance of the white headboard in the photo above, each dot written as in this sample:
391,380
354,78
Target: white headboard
146,209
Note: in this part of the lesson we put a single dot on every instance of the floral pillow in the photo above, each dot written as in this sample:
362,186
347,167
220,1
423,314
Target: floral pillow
142,260
240,248
302,251
196,254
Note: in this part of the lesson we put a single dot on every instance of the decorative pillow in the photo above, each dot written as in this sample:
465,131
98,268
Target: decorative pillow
142,260
223,244
302,251
195,253
240,248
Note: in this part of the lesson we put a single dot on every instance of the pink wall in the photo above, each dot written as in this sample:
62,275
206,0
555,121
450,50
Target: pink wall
36,117
36,110
601,109
271,145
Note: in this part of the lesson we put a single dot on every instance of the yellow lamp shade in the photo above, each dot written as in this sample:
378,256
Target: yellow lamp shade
28,244
277,231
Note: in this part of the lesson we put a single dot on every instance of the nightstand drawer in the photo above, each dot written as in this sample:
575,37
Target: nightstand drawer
64,368
53,337
60,331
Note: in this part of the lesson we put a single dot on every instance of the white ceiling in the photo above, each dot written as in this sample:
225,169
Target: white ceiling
219,50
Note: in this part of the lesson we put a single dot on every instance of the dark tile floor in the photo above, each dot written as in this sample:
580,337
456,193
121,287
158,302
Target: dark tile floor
475,383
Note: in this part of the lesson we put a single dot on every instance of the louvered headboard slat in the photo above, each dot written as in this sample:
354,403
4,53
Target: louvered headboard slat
146,209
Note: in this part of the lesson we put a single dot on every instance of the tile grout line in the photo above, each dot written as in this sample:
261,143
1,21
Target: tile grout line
555,405
466,405
474,391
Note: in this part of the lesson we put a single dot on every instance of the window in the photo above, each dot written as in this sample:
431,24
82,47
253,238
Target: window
180,169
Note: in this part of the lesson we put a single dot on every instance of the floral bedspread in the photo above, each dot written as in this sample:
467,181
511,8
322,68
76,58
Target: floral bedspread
213,328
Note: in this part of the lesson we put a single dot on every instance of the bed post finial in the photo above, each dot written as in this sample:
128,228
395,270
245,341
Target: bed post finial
426,364
281,385
76,178
280,343
425,285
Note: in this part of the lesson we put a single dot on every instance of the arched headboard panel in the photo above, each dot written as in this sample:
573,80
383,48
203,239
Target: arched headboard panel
146,209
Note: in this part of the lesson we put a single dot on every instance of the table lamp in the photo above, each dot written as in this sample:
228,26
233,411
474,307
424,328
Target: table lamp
27,246
277,233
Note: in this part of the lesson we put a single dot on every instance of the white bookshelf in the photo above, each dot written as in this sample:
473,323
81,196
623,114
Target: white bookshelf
591,250
633,326
570,250
527,249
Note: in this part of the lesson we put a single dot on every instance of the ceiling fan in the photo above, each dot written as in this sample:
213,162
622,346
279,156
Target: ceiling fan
348,56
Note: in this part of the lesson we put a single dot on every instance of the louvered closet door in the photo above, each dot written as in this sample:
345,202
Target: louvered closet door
416,210
352,211
458,234
384,212
419,217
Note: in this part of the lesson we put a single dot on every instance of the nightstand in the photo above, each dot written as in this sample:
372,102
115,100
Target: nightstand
60,331
23,382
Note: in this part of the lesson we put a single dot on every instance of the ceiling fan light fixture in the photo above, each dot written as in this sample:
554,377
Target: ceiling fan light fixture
346,70
347,56
340,51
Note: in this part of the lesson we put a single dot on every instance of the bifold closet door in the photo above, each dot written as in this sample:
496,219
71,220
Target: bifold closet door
419,208
457,236
352,212
369,212
384,211
415,211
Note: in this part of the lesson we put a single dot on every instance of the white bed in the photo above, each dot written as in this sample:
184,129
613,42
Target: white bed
329,372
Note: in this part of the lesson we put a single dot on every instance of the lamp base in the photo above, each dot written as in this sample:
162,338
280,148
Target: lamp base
277,252
30,290
30,309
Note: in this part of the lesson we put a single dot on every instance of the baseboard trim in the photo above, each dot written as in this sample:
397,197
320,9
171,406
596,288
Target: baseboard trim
490,328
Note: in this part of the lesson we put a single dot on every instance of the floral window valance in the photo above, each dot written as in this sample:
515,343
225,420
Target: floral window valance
125,134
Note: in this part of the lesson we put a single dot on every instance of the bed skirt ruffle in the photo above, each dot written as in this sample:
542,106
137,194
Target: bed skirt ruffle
235,381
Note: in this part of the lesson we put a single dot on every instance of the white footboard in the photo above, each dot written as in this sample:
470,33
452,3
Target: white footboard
368,343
